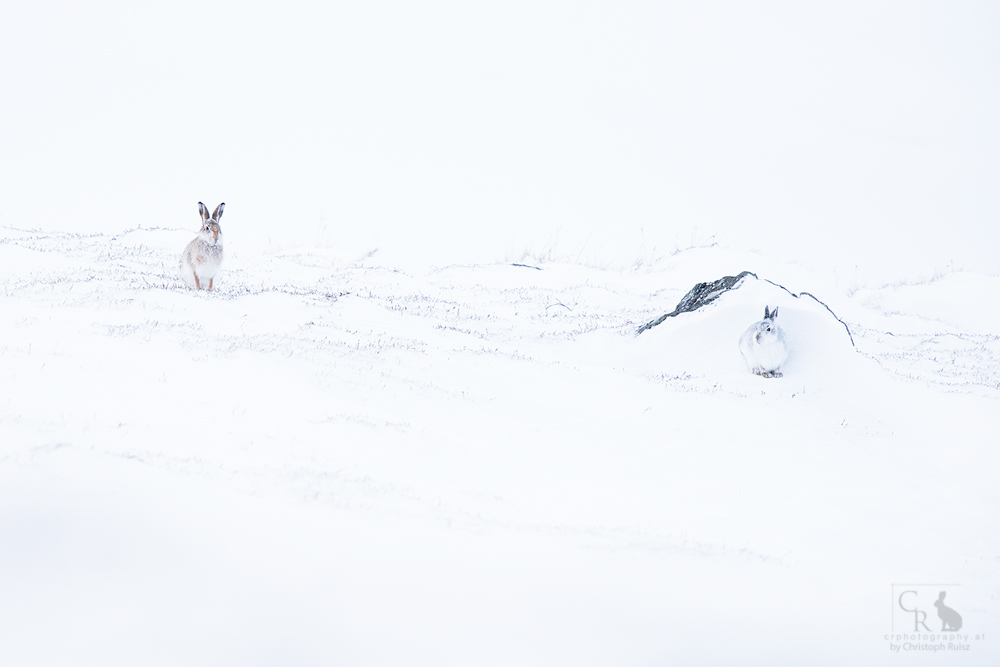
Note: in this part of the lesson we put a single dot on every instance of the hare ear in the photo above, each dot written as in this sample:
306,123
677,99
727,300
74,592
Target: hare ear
774,313
218,212
941,596
767,313
203,211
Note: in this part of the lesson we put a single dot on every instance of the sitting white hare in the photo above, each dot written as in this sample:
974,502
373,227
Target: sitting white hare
763,346
203,256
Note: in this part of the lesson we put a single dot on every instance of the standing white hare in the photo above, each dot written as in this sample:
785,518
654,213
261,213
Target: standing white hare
763,346
203,256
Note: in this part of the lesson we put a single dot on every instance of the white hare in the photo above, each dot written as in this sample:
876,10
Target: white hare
203,256
763,346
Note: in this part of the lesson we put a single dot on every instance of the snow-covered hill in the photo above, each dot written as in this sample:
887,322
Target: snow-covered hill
333,462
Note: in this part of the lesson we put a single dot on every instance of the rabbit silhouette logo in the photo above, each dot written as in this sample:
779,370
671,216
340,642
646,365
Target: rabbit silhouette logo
950,619
915,628
910,600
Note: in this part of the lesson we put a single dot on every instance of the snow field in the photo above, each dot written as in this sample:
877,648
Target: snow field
336,462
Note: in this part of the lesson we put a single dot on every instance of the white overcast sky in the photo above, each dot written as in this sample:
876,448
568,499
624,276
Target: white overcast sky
836,134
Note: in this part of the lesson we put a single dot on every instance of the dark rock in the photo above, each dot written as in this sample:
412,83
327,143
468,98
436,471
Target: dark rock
700,295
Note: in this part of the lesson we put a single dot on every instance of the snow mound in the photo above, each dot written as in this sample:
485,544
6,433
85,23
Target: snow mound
702,346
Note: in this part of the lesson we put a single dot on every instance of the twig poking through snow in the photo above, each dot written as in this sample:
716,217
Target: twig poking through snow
802,294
